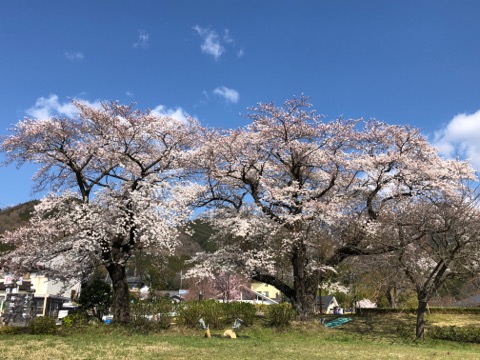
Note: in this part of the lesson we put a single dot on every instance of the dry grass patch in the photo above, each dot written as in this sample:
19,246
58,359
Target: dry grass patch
453,319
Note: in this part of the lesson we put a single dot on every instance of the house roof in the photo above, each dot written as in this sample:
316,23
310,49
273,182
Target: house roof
326,300
257,294
172,294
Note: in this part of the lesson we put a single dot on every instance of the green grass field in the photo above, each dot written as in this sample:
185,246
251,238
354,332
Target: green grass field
375,337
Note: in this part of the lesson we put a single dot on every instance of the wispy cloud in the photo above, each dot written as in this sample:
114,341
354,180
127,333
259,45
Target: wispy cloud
74,55
230,95
461,137
227,38
46,107
211,42
216,44
143,40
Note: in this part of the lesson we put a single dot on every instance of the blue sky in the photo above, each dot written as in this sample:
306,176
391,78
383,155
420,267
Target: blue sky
403,62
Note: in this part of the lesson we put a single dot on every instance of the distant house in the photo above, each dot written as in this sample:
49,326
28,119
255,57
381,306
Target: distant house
267,290
48,294
174,295
328,304
254,297
365,304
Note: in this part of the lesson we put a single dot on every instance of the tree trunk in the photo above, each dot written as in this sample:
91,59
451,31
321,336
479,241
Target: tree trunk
302,300
121,293
420,327
392,297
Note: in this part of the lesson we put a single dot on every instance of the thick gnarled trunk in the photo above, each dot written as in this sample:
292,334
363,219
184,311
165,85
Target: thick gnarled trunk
121,293
301,293
302,300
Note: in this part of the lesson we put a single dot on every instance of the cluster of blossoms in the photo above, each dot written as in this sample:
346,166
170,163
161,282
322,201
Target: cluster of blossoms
276,191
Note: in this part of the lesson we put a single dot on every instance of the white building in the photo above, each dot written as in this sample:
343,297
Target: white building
48,294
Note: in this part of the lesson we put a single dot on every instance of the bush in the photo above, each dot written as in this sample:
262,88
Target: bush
413,310
470,334
211,311
188,313
216,314
153,315
75,320
159,312
239,310
12,330
97,296
43,326
280,314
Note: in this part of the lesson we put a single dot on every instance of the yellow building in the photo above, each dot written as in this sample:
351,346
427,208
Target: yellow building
267,290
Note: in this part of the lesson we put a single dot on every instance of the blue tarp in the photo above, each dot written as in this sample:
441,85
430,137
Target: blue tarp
337,322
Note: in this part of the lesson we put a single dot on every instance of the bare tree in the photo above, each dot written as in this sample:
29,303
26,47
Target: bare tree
438,240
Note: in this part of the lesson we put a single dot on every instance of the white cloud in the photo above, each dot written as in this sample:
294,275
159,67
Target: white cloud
230,95
211,44
143,40
178,113
46,107
216,45
461,137
74,55
129,93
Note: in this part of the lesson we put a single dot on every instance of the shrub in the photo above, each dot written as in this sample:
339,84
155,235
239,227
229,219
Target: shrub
470,334
43,326
97,296
153,315
238,310
189,313
413,310
280,314
164,311
142,325
216,314
75,320
12,330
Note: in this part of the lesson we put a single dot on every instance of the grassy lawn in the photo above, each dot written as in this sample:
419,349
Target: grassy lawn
376,337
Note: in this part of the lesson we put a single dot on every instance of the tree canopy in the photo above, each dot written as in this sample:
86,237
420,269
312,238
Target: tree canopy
119,182
289,196
289,183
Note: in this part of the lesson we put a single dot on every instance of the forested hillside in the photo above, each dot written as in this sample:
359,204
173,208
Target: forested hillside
13,217
16,216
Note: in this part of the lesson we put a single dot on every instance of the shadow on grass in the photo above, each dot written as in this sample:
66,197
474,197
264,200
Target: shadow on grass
391,327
